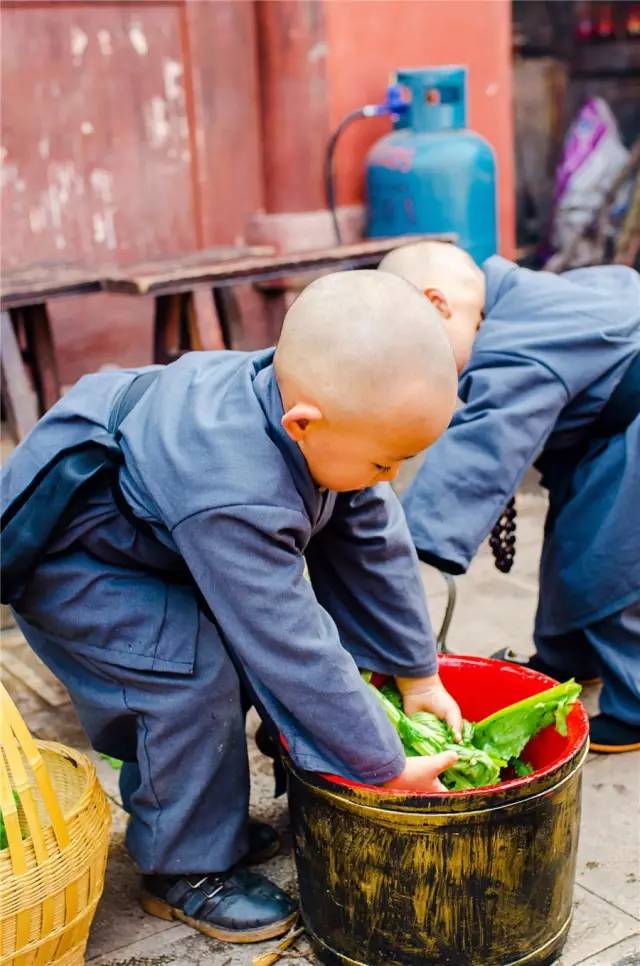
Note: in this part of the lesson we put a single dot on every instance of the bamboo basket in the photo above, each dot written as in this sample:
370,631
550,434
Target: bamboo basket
57,823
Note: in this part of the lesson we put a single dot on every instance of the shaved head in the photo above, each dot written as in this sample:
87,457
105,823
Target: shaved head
358,341
430,264
451,280
367,353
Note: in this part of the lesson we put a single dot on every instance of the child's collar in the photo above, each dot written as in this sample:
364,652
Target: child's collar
267,392
496,270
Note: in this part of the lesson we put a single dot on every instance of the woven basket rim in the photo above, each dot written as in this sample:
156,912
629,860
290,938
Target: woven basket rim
80,760
52,871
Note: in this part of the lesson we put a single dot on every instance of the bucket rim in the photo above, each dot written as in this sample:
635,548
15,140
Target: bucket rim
513,784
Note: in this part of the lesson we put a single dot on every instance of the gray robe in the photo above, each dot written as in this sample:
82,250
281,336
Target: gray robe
202,545
548,356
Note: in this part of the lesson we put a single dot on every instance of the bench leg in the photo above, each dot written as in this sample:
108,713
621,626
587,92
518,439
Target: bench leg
184,321
275,306
229,315
17,394
166,328
42,355
204,324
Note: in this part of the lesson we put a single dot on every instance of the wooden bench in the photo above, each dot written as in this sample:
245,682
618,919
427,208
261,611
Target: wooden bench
29,372
195,306
189,311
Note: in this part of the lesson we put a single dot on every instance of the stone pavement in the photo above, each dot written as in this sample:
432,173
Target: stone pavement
492,611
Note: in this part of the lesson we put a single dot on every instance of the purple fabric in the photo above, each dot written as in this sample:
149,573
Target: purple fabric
586,132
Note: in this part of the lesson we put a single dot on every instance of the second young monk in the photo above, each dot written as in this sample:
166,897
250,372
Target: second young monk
178,565
550,376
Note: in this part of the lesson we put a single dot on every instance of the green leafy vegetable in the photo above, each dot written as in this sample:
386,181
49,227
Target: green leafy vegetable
424,734
487,747
4,842
114,762
520,767
506,732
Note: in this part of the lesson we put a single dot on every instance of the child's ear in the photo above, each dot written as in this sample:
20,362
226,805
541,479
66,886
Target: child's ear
297,420
436,298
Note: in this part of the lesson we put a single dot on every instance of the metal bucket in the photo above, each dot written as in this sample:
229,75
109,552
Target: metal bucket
481,878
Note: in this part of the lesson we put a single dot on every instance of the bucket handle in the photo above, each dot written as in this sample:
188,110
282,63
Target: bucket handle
441,640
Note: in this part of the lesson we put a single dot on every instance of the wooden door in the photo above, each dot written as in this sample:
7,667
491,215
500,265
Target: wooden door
129,131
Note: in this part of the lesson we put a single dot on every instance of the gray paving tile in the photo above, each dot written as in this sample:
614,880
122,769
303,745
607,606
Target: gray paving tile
180,946
626,953
596,927
609,856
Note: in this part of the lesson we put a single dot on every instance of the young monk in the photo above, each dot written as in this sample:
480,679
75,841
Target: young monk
550,376
176,564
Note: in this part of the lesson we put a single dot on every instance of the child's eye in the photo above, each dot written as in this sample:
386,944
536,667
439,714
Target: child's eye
381,469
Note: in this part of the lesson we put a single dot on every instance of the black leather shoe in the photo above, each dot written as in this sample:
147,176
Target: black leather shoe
264,842
611,736
535,663
237,906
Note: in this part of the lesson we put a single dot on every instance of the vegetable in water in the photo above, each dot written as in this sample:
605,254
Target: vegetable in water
488,746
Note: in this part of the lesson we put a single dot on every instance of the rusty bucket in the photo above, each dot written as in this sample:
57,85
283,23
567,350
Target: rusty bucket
473,878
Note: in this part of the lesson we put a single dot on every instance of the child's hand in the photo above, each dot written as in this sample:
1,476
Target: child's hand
421,774
429,694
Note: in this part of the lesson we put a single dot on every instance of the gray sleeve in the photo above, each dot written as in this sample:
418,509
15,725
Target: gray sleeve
365,572
248,563
511,407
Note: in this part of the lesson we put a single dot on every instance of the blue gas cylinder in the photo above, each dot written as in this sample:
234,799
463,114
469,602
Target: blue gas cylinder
431,174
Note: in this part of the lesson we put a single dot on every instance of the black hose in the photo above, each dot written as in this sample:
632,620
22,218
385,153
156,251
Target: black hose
329,180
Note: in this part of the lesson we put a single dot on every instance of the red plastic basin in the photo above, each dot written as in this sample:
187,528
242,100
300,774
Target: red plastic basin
483,685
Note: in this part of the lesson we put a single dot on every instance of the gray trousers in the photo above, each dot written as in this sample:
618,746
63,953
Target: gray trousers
190,796
609,648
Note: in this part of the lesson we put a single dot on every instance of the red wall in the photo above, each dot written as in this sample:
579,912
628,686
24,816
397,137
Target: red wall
130,131
136,130
368,39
